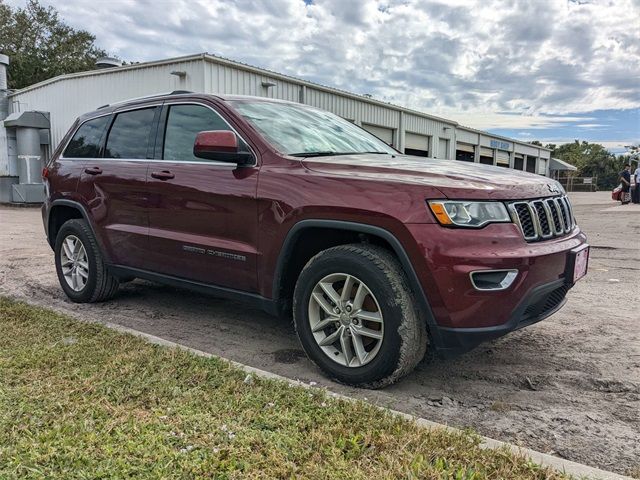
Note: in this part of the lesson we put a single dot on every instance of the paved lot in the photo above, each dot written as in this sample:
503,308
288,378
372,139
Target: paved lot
569,385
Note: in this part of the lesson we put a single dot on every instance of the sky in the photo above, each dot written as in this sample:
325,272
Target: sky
548,70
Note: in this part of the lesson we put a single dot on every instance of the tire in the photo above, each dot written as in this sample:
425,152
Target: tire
99,284
404,336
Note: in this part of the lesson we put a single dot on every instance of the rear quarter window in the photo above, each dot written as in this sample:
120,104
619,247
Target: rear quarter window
87,139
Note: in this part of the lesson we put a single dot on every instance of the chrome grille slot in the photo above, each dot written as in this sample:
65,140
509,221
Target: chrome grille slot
572,220
525,220
566,213
554,209
542,219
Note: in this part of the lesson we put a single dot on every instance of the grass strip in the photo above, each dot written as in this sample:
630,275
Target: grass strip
78,400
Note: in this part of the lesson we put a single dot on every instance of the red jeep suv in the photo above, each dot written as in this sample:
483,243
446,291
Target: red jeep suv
378,256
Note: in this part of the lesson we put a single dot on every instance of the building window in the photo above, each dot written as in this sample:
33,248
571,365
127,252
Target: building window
415,152
464,156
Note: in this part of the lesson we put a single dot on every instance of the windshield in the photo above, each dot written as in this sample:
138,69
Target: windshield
305,131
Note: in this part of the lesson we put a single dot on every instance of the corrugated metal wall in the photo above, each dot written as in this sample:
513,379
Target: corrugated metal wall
67,98
526,149
426,126
345,107
225,79
466,136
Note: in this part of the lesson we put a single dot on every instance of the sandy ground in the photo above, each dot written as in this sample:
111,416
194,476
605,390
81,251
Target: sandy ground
569,386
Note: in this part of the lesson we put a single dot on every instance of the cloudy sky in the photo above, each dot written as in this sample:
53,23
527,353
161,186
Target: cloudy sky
551,70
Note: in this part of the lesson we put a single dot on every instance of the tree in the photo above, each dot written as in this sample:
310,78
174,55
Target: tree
592,160
633,152
40,45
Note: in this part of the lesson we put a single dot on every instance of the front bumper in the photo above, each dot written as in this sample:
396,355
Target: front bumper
542,302
464,316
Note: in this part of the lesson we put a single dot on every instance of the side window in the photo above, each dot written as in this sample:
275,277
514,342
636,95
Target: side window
129,134
183,124
86,141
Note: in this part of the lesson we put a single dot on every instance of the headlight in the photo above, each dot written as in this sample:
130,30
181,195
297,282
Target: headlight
468,214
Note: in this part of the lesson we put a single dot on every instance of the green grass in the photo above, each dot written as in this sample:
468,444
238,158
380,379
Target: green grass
78,400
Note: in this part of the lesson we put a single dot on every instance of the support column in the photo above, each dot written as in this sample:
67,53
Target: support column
400,141
435,147
4,111
303,94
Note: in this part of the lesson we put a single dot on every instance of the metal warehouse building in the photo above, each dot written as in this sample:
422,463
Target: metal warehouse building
61,99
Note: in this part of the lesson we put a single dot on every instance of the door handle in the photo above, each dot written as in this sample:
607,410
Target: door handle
163,175
93,170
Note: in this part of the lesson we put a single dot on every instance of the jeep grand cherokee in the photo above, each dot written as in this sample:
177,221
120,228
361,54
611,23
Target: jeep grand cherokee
378,256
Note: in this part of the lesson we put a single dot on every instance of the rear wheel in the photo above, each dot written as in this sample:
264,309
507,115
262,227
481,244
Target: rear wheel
81,270
356,318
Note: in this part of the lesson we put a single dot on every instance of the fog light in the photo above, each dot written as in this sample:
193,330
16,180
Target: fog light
492,279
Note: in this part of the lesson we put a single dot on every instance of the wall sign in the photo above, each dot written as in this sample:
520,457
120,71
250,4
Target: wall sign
500,145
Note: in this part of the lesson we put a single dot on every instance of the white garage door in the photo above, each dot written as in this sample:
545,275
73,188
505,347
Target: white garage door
542,166
486,152
443,148
383,133
416,142
502,157
464,147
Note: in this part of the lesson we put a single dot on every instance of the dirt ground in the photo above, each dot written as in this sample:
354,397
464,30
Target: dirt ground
569,385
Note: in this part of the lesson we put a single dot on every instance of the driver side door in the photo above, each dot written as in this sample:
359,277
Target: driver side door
202,213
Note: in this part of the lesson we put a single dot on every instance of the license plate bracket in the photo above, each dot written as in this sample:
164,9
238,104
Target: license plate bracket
577,264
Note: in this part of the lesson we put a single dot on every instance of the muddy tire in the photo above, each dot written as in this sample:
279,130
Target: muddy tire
356,318
80,266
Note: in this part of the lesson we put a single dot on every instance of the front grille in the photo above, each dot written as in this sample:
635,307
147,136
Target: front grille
542,219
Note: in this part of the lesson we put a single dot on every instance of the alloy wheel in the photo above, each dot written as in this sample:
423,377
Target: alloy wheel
74,263
346,320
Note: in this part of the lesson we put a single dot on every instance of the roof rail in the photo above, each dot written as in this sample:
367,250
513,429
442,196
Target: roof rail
174,92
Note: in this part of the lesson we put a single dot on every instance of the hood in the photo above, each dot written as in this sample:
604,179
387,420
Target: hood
453,178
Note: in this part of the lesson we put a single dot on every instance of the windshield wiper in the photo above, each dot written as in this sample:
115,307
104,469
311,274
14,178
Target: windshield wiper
326,153
329,153
377,152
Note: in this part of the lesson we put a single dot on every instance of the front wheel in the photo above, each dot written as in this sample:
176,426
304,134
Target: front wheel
355,316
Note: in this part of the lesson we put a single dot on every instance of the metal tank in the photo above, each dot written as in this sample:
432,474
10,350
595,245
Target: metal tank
27,127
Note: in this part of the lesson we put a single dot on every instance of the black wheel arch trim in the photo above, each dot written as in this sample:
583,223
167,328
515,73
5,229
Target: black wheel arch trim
398,248
83,211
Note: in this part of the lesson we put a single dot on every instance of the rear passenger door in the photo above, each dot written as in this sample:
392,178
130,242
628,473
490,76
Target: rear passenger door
114,185
202,213
85,144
